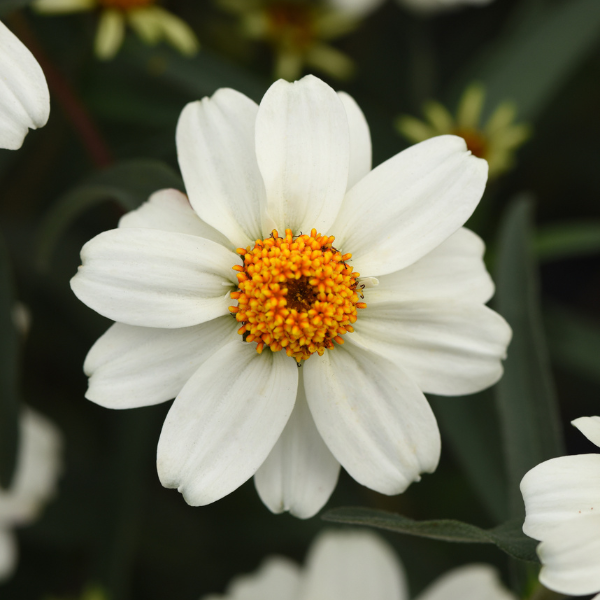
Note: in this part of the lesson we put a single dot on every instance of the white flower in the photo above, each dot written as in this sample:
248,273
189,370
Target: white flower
34,483
300,162
562,500
435,6
357,565
24,95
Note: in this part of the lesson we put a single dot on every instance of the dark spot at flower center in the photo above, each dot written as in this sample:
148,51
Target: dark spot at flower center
476,141
300,294
291,24
125,4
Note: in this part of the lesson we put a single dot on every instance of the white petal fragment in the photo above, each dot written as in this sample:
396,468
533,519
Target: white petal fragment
170,210
360,140
353,565
300,473
590,427
410,204
225,421
24,95
303,146
8,554
447,349
558,490
452,272
571,557
277,579
471,582
215,144
373,417
155,278
130,366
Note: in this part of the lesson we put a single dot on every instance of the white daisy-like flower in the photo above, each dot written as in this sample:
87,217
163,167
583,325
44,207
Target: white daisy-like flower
562,502
226,331
355,565
24,95
34,483
428,7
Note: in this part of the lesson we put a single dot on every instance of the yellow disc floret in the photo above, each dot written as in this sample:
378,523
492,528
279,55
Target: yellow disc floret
295,294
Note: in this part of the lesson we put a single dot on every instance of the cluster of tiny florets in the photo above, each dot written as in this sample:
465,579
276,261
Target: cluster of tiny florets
295,294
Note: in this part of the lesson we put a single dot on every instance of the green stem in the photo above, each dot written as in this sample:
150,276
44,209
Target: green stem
542,593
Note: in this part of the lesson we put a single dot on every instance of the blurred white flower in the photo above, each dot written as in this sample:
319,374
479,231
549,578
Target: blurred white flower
34,483
562,502
428,7
357,565
171,277
151,23
24,95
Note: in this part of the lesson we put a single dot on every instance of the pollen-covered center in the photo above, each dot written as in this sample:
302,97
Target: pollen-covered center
125,4
295,294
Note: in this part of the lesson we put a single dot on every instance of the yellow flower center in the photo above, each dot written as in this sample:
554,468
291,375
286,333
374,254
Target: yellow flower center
125,4
476,141
291,24
295,293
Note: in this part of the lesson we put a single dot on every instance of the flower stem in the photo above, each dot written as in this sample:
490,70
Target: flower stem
542,593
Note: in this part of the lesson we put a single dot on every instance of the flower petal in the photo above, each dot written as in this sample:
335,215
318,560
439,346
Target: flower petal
215,144
277,579
140,366
8,554
170,210
447,349
353,565
590,427
571,557
110,34
303,149
155,278
360,140
24,95
558,490
221,428
454,271
300,473
410,204
471,582
373,418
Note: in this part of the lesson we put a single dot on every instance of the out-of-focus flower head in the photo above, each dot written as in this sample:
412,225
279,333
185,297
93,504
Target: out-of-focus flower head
357,565
34,483
91,592
562,503
24,95
431,7
299,31
496,141
151,22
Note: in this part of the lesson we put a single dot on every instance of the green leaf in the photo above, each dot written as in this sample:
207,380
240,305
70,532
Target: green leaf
531,62
128,183
567,240
9,395
525,395
509,536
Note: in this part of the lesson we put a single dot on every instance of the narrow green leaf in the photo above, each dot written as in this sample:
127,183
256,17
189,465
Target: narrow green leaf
9,397
567,240
525,395
509,536
129,183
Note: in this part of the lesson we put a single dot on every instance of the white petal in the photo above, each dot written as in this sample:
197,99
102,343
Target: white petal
353,565
140,366
454,271
215,144
8,554
448,349
155,278
302,145
410,204
360,140
170,210
225,421
277,579
560,489
373,418
37,470
571,557
300,473
590,427
471,582
24,95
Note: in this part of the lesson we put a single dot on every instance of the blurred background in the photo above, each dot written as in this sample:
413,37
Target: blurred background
110,142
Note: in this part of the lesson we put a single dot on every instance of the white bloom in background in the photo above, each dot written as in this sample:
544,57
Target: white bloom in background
414,321
562,502
24,95
34,483
357,565
436,6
